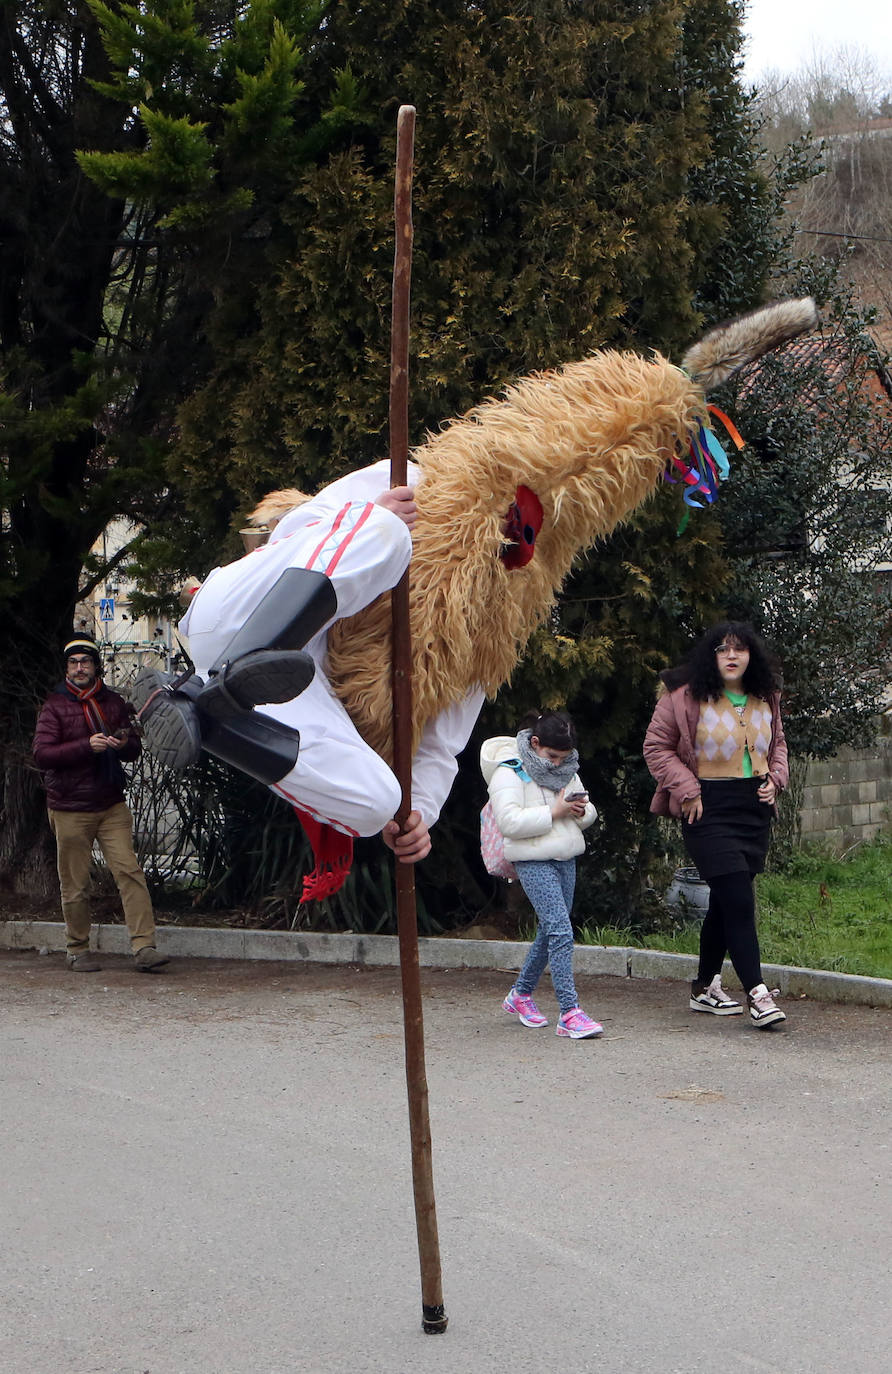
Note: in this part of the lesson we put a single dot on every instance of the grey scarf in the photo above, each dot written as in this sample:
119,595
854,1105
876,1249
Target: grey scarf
553,776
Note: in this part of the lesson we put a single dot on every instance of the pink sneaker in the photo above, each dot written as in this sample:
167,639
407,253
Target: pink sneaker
525,1008
577,1025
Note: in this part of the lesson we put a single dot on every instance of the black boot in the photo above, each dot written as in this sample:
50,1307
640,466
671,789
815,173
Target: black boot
175,732
263,661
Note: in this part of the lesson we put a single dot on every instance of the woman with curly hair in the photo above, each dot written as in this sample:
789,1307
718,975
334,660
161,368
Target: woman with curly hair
716,747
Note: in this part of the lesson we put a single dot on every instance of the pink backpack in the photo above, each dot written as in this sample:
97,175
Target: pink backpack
492,847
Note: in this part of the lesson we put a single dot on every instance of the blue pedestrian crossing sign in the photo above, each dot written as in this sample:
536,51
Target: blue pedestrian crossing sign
107,608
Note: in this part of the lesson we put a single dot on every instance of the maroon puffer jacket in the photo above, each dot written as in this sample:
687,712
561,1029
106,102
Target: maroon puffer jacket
76,778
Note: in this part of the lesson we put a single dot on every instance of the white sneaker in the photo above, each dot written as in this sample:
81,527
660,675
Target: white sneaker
763,1009
714,998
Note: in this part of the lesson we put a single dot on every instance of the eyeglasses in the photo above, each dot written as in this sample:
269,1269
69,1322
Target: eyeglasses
730,649
82,661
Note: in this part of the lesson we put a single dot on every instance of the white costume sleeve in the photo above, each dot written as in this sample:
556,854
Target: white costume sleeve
319,535
366,484
434,766
361,547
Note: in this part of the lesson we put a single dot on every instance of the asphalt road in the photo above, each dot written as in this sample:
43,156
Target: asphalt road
208,1172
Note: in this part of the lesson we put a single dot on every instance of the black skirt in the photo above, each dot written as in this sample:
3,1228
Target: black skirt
733,834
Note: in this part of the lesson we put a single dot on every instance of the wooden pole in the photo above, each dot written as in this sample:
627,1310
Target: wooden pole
433,1316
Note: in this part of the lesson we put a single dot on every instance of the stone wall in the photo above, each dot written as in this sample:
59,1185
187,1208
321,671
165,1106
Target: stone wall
849,797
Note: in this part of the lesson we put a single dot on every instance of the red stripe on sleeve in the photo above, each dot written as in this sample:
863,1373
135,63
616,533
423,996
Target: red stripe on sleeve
333,530
342,547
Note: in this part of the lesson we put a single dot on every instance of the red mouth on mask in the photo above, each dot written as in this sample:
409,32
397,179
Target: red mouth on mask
522,523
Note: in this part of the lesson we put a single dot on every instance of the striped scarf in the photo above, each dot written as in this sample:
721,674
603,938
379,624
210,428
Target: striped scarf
107,764
96,722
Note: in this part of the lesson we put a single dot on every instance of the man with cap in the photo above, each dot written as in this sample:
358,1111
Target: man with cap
84,731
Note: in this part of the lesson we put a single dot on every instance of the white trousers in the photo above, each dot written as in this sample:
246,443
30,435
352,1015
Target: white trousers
364,550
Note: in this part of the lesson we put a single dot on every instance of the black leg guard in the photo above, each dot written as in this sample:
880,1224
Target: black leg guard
254,743
293,610
262,662
175,731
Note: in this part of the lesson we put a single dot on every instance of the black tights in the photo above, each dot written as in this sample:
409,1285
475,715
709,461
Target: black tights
730,926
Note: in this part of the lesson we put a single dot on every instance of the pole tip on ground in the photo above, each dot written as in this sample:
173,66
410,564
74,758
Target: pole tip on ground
433,1319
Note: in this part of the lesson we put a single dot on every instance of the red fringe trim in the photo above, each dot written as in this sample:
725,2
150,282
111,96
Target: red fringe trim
333,855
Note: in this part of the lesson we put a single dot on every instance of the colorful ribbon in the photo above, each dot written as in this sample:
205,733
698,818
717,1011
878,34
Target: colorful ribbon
706,466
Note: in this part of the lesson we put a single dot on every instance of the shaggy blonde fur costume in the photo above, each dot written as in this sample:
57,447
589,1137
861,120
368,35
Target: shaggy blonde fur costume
592,440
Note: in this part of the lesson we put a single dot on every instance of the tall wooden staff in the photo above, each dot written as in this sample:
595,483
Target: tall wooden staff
433,1316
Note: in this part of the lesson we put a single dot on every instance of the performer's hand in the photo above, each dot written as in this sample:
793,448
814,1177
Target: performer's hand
117,741
767,792
99,743
568,806
401,502
413,843
692,809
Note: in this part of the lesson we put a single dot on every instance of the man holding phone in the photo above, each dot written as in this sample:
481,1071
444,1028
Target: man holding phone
83,733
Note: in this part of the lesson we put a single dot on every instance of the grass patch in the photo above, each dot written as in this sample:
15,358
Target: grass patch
831,913
822,912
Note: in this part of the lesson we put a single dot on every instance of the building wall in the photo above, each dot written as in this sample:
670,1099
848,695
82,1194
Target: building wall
127,644
849,797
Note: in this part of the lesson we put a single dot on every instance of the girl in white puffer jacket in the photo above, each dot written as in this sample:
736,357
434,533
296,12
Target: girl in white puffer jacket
541,809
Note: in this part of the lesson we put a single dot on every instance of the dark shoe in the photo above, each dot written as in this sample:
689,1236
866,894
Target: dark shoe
148,960
764,1011
713,998
83,963
169,720
265,676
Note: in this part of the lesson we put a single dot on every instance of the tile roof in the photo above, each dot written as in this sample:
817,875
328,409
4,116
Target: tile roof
823,361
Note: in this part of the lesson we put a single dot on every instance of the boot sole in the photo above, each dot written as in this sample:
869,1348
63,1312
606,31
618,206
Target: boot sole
716,1011
266,678
170,726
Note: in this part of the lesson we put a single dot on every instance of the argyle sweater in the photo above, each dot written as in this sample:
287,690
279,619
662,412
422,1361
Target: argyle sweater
724,733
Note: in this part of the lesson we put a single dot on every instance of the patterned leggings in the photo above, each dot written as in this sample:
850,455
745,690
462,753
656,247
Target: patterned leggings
549,884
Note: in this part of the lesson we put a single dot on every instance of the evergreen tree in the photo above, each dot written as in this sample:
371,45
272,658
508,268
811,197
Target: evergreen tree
576,177
585,176
554,152
58,239
103,292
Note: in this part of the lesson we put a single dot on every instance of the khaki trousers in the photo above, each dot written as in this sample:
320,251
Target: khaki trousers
75,832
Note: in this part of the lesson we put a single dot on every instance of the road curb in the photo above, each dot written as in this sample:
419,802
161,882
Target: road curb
199,942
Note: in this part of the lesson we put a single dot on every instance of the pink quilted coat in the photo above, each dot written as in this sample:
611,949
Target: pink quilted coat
669,750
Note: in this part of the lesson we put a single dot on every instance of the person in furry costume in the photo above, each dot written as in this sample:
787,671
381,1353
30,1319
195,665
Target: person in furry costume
499,503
